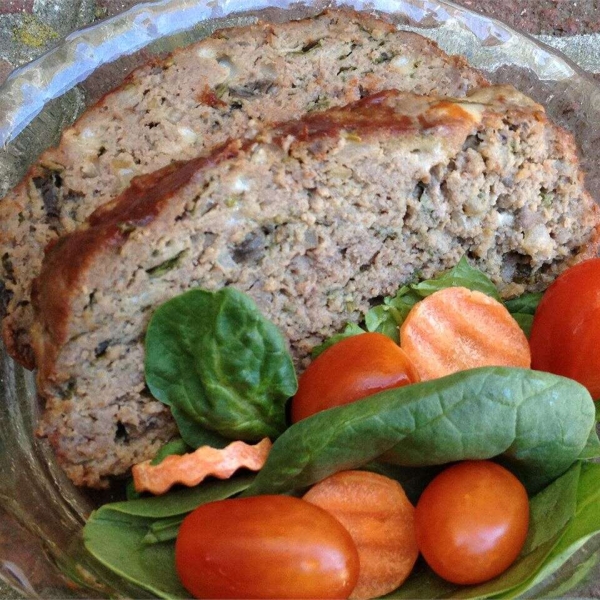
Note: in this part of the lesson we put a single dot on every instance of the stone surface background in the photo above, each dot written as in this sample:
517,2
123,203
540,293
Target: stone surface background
29,27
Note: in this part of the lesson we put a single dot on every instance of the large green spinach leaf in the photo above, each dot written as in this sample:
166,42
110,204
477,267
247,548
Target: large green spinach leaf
538,422
219,364
126,536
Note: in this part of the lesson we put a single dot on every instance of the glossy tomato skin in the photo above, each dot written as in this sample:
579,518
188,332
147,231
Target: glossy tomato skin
265,547
354,368
566,328
471,522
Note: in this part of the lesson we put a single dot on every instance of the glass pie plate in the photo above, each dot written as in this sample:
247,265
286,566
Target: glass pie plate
41,553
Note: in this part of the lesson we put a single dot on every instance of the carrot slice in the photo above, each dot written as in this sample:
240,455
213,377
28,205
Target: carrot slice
456,329
380,519
190,469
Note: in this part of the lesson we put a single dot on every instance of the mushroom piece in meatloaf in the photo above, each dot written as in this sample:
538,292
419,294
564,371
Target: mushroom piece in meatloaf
312,219
199,97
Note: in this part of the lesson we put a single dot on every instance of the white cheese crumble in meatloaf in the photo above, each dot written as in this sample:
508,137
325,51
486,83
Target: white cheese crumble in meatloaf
194,100
312,219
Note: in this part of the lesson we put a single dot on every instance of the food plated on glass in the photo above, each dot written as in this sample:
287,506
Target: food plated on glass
286,286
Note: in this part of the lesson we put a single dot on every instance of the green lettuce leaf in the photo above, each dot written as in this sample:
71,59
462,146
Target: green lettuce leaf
220,364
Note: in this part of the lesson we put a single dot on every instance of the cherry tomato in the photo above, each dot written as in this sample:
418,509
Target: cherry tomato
265,547
566,328
471,521
354,368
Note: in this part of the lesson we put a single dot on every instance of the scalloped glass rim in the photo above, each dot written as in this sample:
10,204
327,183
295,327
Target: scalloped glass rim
39,100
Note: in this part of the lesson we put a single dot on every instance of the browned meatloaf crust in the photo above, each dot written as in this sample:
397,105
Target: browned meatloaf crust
194,100
312,219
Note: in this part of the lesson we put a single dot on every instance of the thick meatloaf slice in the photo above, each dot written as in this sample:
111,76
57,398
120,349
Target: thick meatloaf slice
313,219
194,100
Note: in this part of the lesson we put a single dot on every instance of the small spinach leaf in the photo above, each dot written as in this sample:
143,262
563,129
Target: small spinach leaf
539,422
176,503
176,446
214,358
412,479
350,330
525,304
525,322
462,275
387,317
164,530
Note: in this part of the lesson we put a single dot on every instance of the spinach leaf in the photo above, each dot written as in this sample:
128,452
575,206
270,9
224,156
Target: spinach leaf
179,502
581,571
220,364
551,512
412,479
462,275
176,446
387,317
525,322
134,538
539,422
164,530
120,547
584,525
523,309
194,434
350,330
525,304
592,447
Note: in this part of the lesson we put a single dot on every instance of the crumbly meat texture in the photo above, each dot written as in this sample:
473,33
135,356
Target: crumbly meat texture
191,102
313,219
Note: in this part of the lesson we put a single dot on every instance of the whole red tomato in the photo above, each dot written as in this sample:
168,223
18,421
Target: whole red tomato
565,336
354,368
265,547
471,521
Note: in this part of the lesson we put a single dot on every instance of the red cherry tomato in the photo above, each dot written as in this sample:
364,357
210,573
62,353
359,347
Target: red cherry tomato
565,336
354,368
471,522
265,547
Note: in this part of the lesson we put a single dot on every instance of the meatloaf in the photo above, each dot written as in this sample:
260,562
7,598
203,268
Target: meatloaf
192,101
312,219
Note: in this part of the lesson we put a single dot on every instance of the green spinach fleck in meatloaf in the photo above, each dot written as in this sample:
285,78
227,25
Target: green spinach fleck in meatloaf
202,95
312,219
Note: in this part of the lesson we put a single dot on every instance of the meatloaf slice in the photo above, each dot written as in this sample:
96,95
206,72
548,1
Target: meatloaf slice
313,219
194,100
